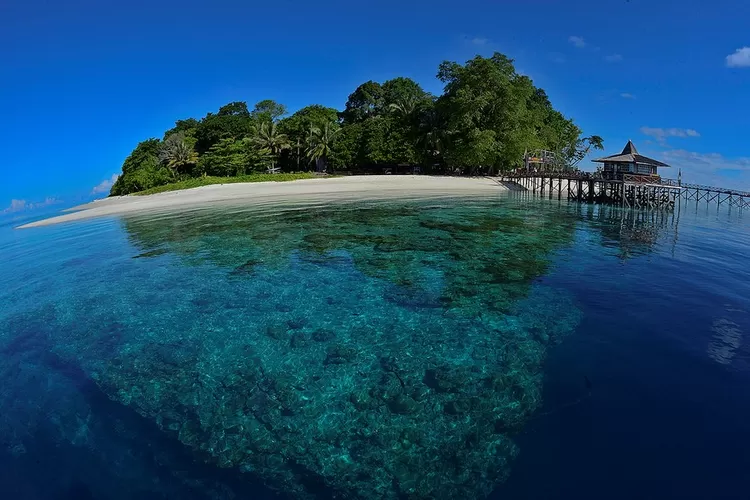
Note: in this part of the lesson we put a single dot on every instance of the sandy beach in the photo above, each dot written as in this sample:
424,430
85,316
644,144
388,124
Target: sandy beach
280,193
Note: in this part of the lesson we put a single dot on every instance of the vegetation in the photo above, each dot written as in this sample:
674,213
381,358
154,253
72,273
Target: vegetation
486,118
195,182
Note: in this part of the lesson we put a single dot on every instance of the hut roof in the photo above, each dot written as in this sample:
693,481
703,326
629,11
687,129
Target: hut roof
630,155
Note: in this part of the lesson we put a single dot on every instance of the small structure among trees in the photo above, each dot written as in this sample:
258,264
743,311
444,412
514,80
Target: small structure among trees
542,160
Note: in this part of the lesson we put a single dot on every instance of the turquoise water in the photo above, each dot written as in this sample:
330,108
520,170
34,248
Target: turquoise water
520,346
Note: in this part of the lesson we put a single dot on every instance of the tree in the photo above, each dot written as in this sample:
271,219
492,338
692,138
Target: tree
267,136
403,95
582,148
297,128
268,110
233,120
431,135
298,124
404,107
484,112
346,150
385,142
230,157
321,142
188,127
176,155
237,108
365,102
141,169
492,115
142,153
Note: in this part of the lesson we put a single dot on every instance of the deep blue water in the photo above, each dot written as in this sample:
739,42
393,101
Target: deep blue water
664,343
623,334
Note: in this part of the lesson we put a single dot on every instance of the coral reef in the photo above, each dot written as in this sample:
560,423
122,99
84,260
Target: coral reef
380,351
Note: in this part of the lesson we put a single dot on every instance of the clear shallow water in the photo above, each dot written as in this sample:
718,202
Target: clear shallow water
422,348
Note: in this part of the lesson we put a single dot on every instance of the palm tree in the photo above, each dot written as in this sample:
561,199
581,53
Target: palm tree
176,154
320,142
596,142
404,106
268,137
584,146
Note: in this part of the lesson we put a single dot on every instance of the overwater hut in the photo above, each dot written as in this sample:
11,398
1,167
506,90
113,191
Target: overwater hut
629,162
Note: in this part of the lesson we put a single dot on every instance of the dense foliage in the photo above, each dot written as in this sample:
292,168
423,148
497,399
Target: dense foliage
486,118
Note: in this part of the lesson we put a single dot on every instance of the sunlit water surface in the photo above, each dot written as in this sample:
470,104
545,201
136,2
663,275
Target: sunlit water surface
511,347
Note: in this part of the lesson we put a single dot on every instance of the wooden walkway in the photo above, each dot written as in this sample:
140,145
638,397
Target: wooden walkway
636,191
711,194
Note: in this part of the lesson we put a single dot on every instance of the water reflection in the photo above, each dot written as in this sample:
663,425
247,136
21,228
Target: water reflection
726,338
634,232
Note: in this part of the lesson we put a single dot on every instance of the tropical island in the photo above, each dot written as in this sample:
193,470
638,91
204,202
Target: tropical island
486,118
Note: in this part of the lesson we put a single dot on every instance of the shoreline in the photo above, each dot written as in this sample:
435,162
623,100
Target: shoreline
354,188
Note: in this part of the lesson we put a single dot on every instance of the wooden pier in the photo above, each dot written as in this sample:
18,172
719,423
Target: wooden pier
630,190
711,194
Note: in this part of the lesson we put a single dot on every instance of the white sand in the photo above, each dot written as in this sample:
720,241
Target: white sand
376,187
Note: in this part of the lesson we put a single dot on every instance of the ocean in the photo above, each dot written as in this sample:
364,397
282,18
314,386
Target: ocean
500,347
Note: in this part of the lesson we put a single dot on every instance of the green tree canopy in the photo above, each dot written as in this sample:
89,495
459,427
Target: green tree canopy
238,108
187,126
232,121
141,169
403,95
365,102
268,110
298,124
232,157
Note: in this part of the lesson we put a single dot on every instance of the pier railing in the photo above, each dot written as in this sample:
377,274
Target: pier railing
574,175
642,179
720,190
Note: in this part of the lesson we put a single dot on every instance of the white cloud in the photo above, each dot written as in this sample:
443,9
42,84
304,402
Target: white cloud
21,205
706,160
577,41
661,134
627,95
478,40
740,58
713,169
612,58
15,206
105,185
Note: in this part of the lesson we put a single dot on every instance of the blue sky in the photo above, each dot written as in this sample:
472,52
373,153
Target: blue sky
83,81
